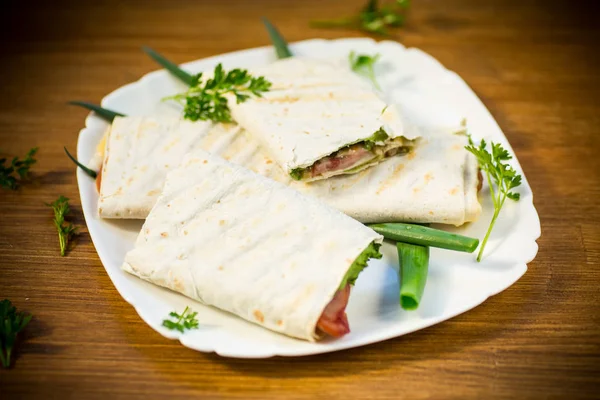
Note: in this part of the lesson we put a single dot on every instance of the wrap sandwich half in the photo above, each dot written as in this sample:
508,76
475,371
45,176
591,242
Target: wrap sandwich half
137,154
320,120
435,183
235,240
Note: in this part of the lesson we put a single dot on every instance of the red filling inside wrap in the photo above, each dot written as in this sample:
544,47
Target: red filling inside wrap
342,160
334,321
99,180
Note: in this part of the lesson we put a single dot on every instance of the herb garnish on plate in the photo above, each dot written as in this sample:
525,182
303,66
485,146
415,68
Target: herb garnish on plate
185,320
499,174
363,64
90,172
206,100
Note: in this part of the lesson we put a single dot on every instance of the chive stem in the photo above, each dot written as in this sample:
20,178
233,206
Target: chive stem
173,68
108,115
414,266
281,47
90,172
425,236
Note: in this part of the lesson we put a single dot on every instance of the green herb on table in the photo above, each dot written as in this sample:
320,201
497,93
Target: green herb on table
16,169
501,177
11,323
414,266
372,18
90,172
207,101
363,64
65,230
185,320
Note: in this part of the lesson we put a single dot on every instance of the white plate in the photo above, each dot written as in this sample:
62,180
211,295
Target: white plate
432,96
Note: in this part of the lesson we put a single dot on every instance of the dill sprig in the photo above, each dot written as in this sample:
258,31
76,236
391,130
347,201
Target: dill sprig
65,231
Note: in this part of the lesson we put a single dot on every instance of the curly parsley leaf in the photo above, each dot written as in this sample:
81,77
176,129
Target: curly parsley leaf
372,18
364,64
11,323
501,177
206,100
16,168
184,321
65,231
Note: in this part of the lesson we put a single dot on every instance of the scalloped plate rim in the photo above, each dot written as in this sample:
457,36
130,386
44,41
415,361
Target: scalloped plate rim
92,121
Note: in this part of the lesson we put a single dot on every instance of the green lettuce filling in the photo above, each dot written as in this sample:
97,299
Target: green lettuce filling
297,173
372,251
371,141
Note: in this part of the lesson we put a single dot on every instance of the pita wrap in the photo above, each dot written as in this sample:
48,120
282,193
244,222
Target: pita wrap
320,120
138,154
435,183
230,238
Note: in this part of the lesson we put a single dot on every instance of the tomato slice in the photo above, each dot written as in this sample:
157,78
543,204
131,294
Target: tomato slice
334,320
99,180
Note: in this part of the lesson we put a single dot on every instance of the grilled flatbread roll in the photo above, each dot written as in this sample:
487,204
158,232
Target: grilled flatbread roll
238,241
320,120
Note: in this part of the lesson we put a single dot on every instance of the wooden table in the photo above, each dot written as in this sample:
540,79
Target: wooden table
533,63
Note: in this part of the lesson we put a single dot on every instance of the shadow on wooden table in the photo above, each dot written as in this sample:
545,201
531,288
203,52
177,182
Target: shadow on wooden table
57,177
416,347
31,341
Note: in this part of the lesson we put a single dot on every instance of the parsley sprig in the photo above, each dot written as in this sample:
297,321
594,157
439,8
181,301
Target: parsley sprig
11,323
185,320
65,231
363,64
372,18
207,101
20,168
501,177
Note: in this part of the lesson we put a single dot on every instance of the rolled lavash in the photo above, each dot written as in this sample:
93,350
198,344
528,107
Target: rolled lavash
313,109
230,238
138,153
435,183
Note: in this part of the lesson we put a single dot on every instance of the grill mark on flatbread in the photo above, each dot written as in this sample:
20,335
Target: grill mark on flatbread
389,180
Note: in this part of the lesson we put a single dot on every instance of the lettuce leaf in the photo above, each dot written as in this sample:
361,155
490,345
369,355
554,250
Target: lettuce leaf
372,251
379,136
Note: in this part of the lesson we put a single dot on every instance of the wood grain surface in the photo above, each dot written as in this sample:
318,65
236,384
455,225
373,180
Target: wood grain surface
534,64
